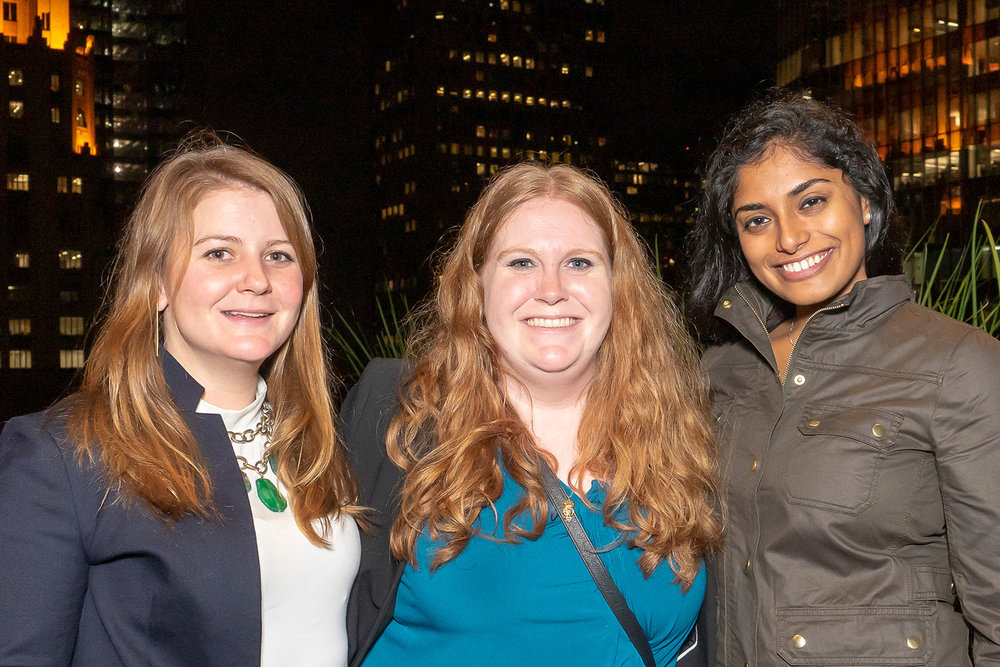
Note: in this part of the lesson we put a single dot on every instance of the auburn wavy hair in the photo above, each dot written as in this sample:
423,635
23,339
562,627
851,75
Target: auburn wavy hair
122,416
644,429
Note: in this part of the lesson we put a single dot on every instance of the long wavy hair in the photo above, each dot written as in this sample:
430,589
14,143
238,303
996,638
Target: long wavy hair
644,428
123,416
815,132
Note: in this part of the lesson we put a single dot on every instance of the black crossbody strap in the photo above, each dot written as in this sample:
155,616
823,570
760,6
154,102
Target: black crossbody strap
563,506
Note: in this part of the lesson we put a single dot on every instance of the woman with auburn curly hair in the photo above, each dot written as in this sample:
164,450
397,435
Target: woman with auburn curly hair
190,504
549,346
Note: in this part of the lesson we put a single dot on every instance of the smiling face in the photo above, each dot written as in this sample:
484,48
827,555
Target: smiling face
237,299
801,226
547,293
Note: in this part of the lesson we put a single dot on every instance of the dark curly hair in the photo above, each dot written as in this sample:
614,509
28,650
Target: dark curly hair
816,132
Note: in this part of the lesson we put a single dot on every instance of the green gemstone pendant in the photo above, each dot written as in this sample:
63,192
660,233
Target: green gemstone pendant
268,494
246,481
272,460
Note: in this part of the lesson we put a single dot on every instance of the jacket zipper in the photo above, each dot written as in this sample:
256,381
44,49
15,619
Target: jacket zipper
788,366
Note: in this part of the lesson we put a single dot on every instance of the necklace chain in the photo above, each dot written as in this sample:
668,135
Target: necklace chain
265,427
266,490
791,328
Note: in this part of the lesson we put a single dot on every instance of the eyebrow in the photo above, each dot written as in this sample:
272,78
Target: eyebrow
235,240
529,251
794,192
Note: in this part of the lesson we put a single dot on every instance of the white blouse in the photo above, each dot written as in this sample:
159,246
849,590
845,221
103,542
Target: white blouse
304,588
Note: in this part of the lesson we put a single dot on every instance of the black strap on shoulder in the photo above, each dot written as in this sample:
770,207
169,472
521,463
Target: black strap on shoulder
564,507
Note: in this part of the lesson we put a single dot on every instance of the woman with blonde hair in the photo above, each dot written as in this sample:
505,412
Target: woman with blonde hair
549,347
191,503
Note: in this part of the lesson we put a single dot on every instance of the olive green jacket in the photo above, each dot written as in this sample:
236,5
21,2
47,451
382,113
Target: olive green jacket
864,492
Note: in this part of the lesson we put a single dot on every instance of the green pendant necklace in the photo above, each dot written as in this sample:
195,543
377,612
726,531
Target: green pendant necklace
266,490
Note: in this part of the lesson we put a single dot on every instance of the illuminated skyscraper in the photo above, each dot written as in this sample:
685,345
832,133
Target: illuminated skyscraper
54,234
463,88
923,79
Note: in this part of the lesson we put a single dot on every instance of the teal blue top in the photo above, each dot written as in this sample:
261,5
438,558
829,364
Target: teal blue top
533,603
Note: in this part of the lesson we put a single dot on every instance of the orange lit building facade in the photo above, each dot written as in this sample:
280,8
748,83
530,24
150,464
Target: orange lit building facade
463,88
55,235
923,79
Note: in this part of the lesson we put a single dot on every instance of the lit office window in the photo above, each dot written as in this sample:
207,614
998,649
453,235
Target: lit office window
589,36
22,260
70,259
77,186
20,359
589,71
71,326
62,184
17,182
600,36
18,293
71,359
15,77
16,109
440,91
78,86
564,69
55,114
19,326
54,82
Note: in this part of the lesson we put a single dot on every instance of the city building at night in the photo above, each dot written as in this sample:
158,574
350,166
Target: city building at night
922,77
140,87
53,237
661,201
462,89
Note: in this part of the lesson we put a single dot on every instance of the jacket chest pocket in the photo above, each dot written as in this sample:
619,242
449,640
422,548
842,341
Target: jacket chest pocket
838,454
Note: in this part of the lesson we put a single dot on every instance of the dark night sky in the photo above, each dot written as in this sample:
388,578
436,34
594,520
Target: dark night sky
292,83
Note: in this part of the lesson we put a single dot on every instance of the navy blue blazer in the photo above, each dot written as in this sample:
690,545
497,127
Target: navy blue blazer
366,413
88,577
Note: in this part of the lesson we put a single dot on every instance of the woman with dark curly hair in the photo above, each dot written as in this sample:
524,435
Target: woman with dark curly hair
859,433
550,352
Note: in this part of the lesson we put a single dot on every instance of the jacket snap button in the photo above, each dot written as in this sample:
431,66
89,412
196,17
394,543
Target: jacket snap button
799,379
753,465
800,641
727,304
913,642
878,430
814,422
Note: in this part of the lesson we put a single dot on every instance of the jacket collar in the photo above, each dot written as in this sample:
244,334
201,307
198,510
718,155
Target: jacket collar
754,311
184,389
